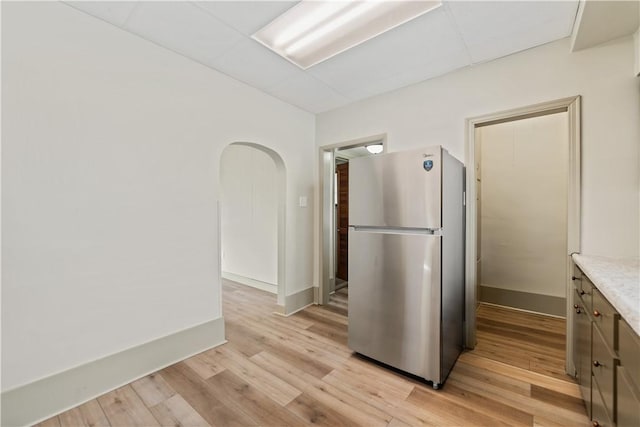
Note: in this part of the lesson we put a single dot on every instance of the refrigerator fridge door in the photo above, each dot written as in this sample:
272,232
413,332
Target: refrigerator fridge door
394,299
396,189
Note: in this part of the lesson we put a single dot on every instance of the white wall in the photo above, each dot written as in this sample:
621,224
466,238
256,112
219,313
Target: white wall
110,180
523,214
434,112
249,214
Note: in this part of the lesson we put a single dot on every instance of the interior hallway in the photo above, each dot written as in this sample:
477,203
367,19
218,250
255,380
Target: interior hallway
297,370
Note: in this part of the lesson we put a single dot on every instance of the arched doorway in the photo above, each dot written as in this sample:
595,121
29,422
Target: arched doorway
252,217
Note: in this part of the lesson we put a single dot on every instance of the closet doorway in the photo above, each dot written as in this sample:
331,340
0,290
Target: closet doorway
523,213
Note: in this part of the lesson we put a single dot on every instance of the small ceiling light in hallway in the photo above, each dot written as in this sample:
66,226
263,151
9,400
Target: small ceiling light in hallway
374,148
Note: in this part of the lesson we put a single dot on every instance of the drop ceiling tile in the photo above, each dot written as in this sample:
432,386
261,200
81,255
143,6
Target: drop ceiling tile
492,29
254,64
114,12
246,16
526,39
184,28
415,73
424,40
308,93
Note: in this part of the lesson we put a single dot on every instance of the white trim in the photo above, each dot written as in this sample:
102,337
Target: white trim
572,106
298,301
44,398
264,286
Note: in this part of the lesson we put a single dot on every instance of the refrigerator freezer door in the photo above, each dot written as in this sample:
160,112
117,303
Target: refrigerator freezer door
396,189
394,300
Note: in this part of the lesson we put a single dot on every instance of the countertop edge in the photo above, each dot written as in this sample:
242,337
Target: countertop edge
619,282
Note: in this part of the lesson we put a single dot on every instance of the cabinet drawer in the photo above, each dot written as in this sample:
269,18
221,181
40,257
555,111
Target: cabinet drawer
603,368
628,400
605,318
599,415
629,351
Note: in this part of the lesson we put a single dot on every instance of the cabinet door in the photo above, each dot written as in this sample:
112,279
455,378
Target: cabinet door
628,400
583,351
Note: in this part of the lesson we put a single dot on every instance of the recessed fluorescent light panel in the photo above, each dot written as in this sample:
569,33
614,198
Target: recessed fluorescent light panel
313,31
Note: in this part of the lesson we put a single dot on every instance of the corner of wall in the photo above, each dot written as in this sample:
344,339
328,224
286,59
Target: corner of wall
299,300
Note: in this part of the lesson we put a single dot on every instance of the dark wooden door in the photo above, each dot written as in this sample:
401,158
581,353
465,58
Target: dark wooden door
342,222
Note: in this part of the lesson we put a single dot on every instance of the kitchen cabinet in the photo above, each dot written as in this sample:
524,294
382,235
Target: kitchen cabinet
605,356
628,377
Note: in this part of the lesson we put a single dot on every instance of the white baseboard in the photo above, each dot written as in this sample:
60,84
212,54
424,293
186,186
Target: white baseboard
298,301
269,287
44,398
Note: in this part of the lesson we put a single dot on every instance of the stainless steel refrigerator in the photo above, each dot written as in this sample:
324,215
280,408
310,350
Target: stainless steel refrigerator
406,260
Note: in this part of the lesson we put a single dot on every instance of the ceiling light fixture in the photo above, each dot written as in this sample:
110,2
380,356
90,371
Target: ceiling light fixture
374,148
313,31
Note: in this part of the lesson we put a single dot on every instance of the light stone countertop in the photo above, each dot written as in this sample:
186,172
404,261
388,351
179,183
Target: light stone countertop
618,280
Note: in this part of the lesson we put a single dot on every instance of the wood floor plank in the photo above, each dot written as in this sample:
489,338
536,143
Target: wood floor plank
274,387
549,366
316,413
205,364
354,409
395,422
521,318
375,396
454,414
89,414
253,402
320,315
374,384
506,383
539,421
152,389
308,364
338,335
558,399
50,422
176,412
525,403
480,403
568,387
198,394
123,407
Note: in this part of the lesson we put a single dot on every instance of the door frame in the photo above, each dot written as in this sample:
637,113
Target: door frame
572,106
326,223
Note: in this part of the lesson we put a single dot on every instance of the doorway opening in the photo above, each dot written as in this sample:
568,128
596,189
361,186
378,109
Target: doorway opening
334,253
523,217
252,217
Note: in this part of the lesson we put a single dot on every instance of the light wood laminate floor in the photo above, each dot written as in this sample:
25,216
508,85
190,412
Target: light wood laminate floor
297,371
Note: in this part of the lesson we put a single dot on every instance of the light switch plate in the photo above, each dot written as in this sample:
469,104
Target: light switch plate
302,202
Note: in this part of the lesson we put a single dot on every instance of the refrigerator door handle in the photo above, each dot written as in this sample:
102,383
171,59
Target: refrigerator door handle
396,230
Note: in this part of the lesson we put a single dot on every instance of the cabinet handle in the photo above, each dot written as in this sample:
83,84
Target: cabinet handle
575,278
596,313
595,423
575,306
578,311
582,292
596,363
